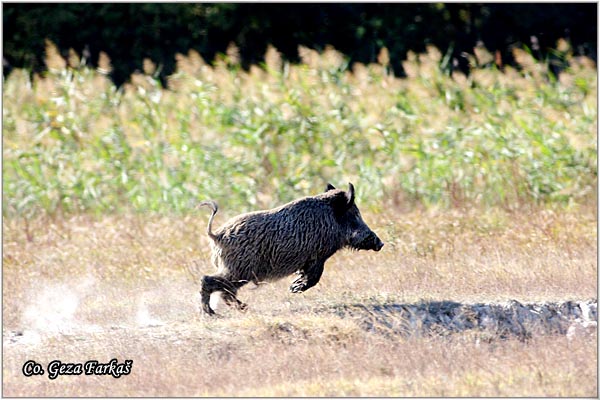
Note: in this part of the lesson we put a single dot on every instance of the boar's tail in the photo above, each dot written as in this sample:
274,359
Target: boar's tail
214,208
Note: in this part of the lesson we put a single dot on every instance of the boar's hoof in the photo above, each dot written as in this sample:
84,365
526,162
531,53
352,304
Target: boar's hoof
232,300
207,310
298,286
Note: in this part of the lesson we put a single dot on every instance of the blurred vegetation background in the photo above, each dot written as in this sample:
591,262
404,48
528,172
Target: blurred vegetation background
118,109
128,33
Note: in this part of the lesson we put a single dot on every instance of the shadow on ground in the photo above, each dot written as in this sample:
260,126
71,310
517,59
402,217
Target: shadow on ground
503,320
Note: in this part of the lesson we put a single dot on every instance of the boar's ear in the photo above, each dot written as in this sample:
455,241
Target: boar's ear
350,195
329,187
339,203
342,201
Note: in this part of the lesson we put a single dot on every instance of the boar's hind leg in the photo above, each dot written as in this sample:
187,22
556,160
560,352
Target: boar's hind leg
229,294
308,278
209,285
212,284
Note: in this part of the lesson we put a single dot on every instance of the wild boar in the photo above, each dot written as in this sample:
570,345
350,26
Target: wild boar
297,237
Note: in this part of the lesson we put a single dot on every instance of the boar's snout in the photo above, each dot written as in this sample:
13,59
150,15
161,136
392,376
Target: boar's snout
376,243
370,241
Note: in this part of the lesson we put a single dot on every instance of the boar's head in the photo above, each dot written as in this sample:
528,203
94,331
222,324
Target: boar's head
357,235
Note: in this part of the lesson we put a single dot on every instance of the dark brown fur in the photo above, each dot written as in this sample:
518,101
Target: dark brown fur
297,237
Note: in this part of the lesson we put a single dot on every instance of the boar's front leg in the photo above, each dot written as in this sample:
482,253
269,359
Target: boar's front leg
309,277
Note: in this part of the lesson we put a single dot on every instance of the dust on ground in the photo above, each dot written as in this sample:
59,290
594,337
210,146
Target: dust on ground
162,331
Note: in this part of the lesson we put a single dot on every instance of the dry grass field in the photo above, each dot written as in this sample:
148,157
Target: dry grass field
79,288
